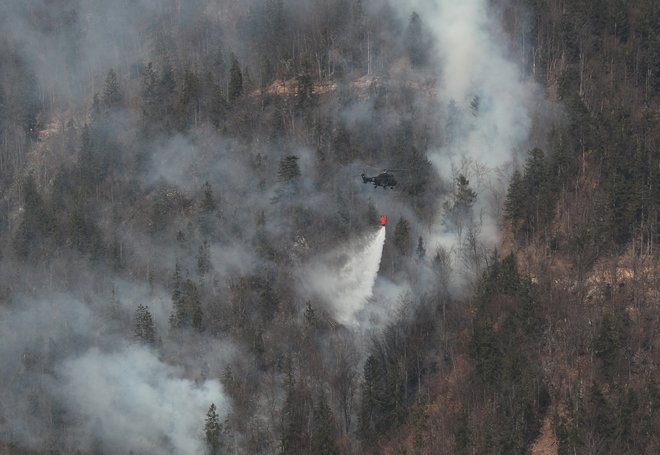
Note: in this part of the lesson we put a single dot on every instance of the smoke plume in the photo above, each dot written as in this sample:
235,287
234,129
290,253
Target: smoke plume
345,277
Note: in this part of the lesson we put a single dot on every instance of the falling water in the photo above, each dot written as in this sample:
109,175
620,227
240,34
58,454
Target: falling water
345,278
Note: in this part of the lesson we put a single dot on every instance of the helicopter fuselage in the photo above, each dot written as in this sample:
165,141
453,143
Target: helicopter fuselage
384,179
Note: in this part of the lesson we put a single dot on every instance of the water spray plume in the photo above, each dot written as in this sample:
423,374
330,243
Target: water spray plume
345,278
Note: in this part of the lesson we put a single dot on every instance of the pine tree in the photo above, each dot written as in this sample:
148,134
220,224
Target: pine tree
167,95
4,111
177,297
149,93
514,202
208,202
288,175
167,83
111,93
144,325
24,100
304,90
204,258
402,237
372,214
149,84
266,74
416,43
219,107
295,414
324,431
235,79
186,304
213,431
83,233
190,100
371,400
462,433
610,340
421,251
474,105
288,170
37,223
458,210
190,310
465,197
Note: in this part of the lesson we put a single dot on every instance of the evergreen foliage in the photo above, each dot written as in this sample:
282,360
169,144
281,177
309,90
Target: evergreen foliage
372,215
324,433
186,303
393,373
402,240
37,222
420,251
416,42
111,92
530,199
213,431
204,258
610,341
288,169
504,349
144,326
235,80
457,210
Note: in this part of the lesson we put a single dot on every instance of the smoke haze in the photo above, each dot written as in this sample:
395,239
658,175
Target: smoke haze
489,111
69,349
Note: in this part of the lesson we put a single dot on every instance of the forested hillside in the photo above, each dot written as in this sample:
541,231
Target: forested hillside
190,261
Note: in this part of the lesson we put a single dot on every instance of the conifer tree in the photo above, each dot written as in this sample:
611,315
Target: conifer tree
288,175
416,43
37,222
421,251
213,431
462,433
295,415
167,83
144,325
402,237
149,92
190,100
177,297
111,93
372,214
370,403
513,204
305,90
24,101
324,432
458,209
208,203
288,170
149,84
204,258
186,305
235,79
219,106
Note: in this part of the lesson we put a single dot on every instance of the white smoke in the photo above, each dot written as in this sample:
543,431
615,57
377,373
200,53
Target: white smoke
121,395
131,400
493,105
344,278
476,65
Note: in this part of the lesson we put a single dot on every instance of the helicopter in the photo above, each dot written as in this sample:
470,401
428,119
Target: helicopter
384,179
